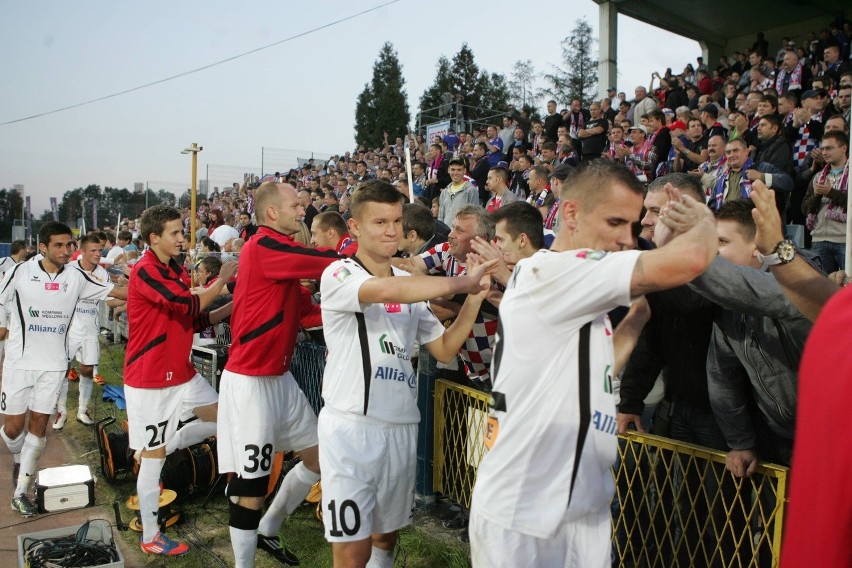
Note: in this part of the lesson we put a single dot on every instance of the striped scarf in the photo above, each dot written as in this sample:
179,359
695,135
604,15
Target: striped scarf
722,182
786,81
834,212
804,142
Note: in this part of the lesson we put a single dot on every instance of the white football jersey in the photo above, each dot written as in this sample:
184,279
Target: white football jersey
6,263
41,307
525,481
368,371
85,322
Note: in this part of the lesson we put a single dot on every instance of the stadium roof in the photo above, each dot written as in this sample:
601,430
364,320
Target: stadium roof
720,21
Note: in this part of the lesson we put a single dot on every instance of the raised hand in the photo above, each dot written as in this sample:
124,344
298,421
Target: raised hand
766,218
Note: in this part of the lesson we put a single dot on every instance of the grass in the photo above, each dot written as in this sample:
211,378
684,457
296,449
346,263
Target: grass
203,526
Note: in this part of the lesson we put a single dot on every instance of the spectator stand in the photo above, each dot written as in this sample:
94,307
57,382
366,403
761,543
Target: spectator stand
461,117
282,159
224,176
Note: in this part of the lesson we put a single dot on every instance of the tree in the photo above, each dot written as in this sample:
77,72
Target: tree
435,100
383,105
11,208
363,121
521,79
578,79
464,77
482,93
493,97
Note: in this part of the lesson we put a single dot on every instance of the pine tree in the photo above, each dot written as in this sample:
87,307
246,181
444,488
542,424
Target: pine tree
383,104
494,96
464,76
579,76
482,93
435,100
363,119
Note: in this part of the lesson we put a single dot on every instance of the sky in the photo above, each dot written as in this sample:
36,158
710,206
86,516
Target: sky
293,98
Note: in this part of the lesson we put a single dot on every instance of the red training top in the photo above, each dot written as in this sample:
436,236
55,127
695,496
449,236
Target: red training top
819,518
267,301
347,246
162,315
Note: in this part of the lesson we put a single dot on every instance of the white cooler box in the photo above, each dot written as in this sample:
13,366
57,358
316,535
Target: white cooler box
64,488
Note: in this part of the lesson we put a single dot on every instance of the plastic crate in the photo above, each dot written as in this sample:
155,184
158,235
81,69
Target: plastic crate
99,530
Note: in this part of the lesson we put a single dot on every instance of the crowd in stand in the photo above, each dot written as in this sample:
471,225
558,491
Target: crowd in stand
780,118
717,363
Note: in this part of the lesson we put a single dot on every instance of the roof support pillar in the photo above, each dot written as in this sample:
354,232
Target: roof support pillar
608,47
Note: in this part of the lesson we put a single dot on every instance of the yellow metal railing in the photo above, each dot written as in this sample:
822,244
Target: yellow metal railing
674,504
460,415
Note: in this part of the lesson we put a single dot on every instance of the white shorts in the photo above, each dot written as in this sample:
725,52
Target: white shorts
259,416
585,542
30,390
153,414
368,469
87,350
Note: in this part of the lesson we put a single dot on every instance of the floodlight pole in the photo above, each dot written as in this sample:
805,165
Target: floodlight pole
194,150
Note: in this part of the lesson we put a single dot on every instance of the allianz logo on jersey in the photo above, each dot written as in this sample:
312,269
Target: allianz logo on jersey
398,375
46,314
86,311
389,348
604,422
36,328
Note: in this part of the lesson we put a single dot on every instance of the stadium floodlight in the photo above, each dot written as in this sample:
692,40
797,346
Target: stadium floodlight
194,150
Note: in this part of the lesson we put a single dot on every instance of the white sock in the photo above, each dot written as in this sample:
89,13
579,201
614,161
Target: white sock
192,433
14,445
290,495
244,543
380,558
30,454
62,403
148,487
86,386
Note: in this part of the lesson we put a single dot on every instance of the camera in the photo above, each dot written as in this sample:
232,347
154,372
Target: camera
628,143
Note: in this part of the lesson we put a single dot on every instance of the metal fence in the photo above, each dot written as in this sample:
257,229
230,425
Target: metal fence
307,367
675,504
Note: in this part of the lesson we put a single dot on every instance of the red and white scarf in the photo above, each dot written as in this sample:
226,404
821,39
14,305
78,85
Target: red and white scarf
834,212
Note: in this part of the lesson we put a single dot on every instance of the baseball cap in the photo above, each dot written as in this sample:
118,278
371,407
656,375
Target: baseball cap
809,94
677,125
638,127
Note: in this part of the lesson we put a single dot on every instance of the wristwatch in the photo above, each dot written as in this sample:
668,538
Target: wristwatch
784,252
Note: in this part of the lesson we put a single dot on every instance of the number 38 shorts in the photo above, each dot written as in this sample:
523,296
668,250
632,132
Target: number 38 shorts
368,469
153,414
259,416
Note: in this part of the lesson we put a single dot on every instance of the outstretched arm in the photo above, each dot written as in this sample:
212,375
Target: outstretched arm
410,289
446,347
806,288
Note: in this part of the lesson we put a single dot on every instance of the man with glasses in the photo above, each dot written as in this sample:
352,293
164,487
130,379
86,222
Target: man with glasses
825,203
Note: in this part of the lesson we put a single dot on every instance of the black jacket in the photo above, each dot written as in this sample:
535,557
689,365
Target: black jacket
776,151
674,342
676,98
